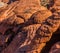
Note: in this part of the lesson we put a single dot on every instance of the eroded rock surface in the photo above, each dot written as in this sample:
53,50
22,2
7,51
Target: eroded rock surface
26,26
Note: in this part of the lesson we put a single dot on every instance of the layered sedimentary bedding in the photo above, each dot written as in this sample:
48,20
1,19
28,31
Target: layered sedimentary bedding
26,25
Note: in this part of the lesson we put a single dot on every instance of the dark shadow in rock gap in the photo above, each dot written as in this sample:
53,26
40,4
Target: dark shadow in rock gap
55,38
11,1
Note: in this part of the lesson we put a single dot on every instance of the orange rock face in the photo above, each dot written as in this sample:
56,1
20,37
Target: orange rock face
26,8
5,1
26,26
